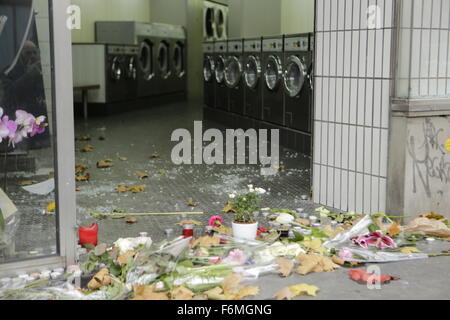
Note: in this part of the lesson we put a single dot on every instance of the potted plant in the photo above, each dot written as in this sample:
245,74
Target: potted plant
243,206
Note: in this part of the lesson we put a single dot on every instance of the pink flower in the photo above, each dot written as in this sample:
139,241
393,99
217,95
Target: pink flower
236,256
38,126
375,239
7,127
215,260
215,221
345,254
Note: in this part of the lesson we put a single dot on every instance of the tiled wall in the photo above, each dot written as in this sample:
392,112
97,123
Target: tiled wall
352,99
424,49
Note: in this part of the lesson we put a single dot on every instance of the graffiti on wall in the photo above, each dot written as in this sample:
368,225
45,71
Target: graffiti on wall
429,157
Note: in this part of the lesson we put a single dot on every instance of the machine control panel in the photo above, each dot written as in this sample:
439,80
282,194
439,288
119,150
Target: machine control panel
235,46
220,47
296,44
273,45
252,46
116,50
208,47
131,50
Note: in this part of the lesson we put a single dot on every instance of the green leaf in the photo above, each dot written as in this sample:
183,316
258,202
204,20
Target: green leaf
2,221
447,223
373,228
298,237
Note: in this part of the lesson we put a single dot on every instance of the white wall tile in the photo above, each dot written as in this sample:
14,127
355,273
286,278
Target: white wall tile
433,87
359,193
368,150
356,14
347,54
414,92
339,100
434,53
423,88
387,53
351,191
325,98
346,101
441,91
338,145
340,54
383,194
436,13
364,5
379,41
331,144
378,87
348,14
384,152
327,15
376,140
324,144
360,111
360,149
425,54
353,100
426,14
334,15
368,116
417,14
323,185
367,195
371,50
327,54
388,12
406,21
332,100
355,53
318,98
319,54
344,190
317,141
385,104
415,54
319,15
330,187
341,14
363,54
345,146
374,203
337,189
333,53
445,21
316,184
444,58
352,148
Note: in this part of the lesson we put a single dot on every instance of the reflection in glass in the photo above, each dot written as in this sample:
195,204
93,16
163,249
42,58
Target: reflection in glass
272,74
219,70
294,79
233,72
27,196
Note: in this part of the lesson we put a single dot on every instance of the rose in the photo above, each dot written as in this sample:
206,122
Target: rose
215,221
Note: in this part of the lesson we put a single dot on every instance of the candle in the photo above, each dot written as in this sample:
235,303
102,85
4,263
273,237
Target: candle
88,234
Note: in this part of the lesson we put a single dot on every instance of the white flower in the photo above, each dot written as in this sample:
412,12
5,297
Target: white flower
260,191
129,244
323,212
250,186
285,218
232,196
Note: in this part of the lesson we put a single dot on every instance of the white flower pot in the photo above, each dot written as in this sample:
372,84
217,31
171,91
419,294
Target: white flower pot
246,231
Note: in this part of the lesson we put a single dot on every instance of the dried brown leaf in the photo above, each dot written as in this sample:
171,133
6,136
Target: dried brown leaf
131,220
83,177
27,183
285,266
103,164
181,293
136,189
142,175
314,263
284,294
123,259
192,203
87,148
148,293
101,279
206,242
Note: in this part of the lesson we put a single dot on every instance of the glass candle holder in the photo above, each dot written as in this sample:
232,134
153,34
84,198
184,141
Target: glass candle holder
88,235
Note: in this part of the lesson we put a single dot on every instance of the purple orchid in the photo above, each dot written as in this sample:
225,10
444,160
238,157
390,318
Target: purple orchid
7,127
38,126
376,239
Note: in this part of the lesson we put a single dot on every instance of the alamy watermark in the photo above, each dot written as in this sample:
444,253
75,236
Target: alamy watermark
229,149
73,21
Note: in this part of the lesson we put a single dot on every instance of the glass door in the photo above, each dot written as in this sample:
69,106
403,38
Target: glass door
32,167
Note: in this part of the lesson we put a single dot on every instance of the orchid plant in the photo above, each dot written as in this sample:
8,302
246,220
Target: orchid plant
25,126
245,204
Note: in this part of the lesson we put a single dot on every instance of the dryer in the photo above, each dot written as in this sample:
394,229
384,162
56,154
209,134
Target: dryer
253,78
234,76
215,21
221,89
113,67
147,66
208,74
272,92
297,80
176,37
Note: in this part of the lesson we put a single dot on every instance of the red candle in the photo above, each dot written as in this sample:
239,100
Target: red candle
188,230
88,234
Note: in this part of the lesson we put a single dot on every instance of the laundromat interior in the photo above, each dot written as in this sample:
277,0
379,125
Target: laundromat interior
145,68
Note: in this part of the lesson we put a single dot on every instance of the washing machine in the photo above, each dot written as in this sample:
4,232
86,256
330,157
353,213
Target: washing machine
272,92
113,67
147,66
297,80
208,74
177,41
253,78
234,69
221,89
215,21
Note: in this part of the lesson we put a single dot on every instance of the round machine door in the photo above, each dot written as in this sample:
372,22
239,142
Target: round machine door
163,59
219,70
146,60
273,73
220,23
131,69
116,69
178,60
208,69
252,72
233,72
294,76
209,22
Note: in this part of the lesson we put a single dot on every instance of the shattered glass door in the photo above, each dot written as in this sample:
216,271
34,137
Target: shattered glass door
27,180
